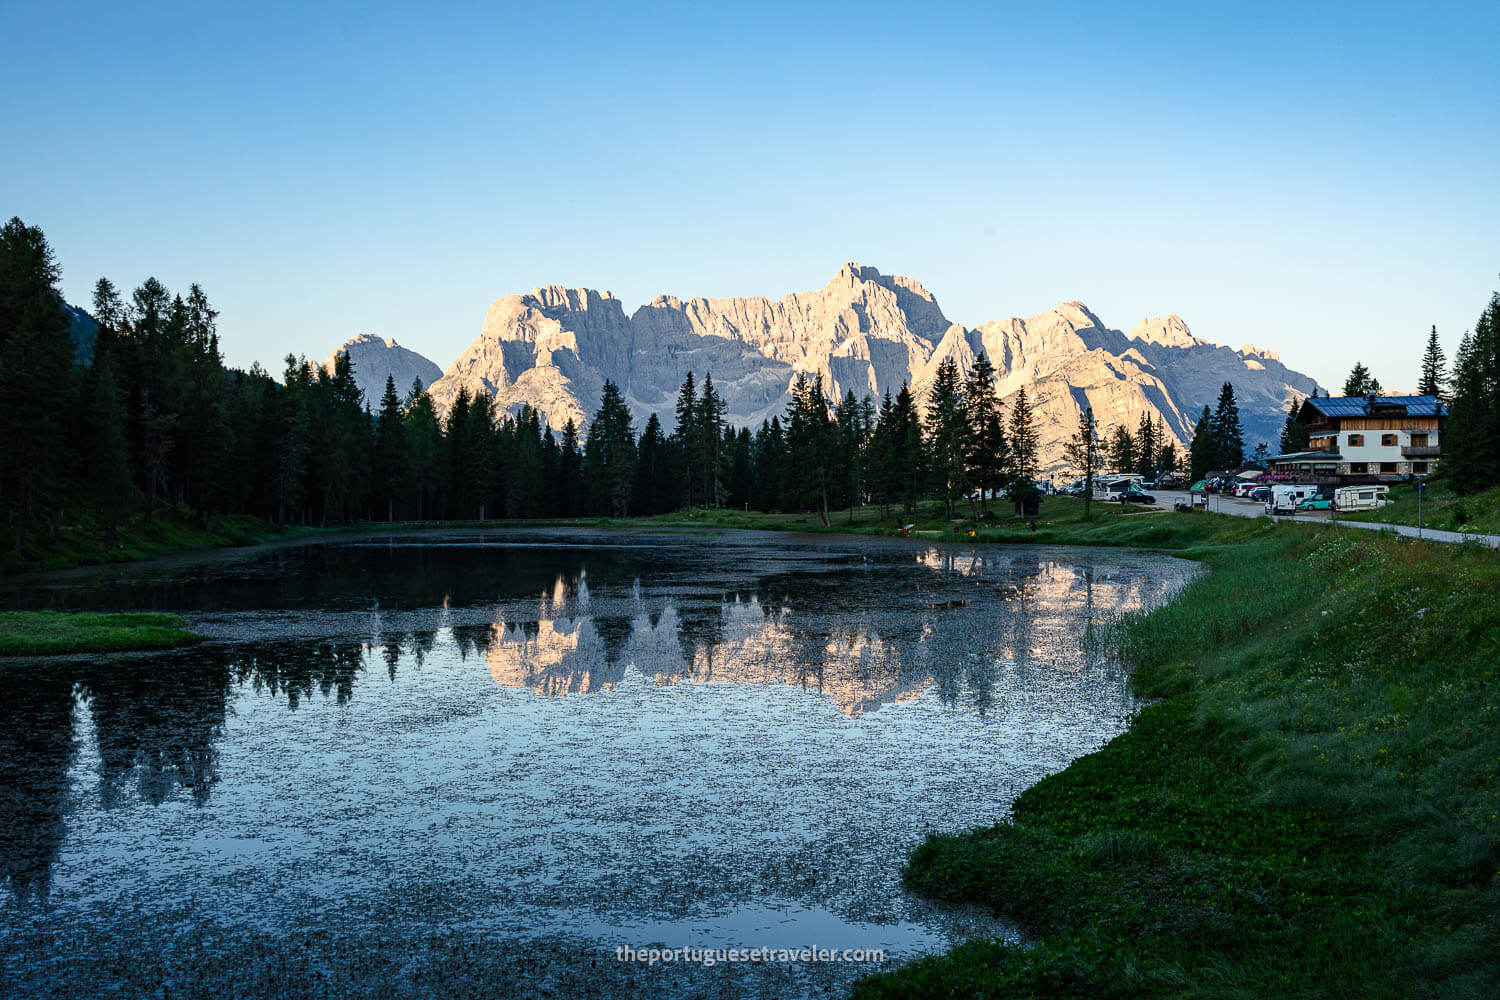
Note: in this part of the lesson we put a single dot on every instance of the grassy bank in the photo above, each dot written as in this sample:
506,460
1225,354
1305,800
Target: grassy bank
1311,810
49,633
1061,520
1441,508
81,543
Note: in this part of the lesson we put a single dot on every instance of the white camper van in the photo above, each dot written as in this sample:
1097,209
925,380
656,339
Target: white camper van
1284,499
1360,497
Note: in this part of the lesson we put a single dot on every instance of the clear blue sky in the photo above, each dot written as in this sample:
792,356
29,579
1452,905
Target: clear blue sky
1321,183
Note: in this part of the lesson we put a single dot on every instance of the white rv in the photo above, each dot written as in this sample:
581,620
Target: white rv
1360,497
1284,499
1109,487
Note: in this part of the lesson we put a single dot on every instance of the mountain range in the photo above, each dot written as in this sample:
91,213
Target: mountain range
552,348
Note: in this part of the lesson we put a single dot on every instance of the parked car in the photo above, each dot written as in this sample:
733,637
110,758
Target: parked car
1315,503
1134,494
1260,494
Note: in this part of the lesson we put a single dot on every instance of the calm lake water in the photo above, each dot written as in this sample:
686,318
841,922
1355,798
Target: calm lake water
476,764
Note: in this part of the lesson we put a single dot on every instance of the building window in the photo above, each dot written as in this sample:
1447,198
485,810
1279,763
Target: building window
1387,466
1356,440
1388,440
1419,440
1358,468
1419,468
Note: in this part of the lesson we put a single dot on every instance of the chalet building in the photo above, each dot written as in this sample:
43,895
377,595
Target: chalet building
1366,439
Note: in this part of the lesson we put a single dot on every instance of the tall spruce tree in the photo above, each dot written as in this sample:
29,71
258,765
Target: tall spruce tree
570,488
988,453
910,450
685,439
1122,450
36,376
1434,378
1471,438
811,444
1025,447
1148,439
1360,382
708,441
1201,450
1293,432
1227,435
609,456
947,426
390,461
883,476
1083,453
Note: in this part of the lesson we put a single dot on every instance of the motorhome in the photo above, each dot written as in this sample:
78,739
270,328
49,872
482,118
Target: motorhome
1284,499
1109,487
1360,497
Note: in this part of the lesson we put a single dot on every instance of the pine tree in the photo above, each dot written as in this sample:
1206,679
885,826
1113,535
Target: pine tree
1226,434
741,478
292,442
390,460
811,444
424,447
1201,451
708,441
36,375
911,457
882,475
1167,460
1472,436
480,475
1024,447
685,440
770,462
1293,432
1359,380
1084,454
849,472
947,426
105,449
1148,438
570,487
1122,450
609,456
1434,379
988,452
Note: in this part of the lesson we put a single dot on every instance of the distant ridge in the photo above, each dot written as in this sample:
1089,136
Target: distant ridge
553,347
375,358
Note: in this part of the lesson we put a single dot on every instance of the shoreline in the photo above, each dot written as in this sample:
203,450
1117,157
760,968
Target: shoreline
1307,806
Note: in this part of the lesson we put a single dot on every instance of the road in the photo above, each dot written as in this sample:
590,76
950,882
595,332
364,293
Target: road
1246,508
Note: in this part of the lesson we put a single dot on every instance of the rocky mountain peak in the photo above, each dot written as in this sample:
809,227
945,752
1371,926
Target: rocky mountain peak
375,357
864,332
1169,332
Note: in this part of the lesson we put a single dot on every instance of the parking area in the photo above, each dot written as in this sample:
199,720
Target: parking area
1237,506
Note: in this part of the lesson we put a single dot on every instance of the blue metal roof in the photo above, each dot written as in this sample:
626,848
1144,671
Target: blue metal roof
1359,406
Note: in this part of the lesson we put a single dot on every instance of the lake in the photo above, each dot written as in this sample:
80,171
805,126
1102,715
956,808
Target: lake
479,763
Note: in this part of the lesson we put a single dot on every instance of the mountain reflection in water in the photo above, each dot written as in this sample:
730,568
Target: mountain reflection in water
515,737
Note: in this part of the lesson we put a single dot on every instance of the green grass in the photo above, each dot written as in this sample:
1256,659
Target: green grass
1309,810
1441,508
48,633
1061,520
81,542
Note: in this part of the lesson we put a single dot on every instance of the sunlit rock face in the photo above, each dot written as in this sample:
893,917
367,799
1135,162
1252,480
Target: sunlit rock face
374,358
866,333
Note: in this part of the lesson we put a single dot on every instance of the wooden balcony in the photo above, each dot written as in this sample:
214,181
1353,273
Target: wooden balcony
1422,451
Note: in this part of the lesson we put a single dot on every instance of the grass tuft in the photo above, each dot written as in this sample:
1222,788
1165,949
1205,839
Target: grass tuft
51,633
